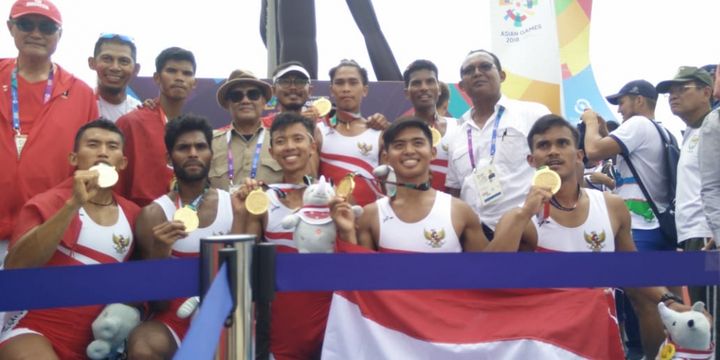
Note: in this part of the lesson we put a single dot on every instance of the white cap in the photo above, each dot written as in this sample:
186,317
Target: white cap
291,68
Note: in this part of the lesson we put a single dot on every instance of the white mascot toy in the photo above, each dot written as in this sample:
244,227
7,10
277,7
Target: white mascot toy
314,229
688,334
110,330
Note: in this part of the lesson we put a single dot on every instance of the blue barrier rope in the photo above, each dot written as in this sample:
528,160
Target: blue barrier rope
134,281
202,337
166,279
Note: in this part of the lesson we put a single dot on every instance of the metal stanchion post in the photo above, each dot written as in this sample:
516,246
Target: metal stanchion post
236,250
263,294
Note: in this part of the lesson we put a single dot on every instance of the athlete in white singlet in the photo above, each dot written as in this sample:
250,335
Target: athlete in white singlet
577,219
160,235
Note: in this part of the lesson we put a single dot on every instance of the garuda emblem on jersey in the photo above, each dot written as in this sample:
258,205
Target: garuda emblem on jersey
595,241
434,237
121,243
364,148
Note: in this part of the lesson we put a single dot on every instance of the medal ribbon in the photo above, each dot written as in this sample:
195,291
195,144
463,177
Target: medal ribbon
493,140
256,155
16,98
195,204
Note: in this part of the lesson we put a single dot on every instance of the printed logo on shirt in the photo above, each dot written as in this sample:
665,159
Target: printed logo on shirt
434,237
386,218
364,148
595,241
121,243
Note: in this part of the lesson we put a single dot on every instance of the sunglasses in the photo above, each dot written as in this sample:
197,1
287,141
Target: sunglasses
46,27
111,36
483,67
239,95
287,82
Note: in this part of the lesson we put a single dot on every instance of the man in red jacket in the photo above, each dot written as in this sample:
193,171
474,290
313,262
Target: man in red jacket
148,174
41,107
78,222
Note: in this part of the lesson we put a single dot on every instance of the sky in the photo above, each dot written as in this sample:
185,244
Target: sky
630,39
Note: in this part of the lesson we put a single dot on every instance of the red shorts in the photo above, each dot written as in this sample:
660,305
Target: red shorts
178,327
69,330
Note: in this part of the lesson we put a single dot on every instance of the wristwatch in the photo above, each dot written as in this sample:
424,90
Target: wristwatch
670,296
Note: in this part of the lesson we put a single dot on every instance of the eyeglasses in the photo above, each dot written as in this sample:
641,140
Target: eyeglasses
46,27
111,36
287,82
239,95
679,89
483,67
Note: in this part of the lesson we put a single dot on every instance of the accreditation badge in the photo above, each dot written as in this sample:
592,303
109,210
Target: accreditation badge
20,141
487,184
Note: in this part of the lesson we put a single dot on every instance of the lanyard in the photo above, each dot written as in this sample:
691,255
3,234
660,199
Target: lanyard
256,155
493,141
195,204
16,98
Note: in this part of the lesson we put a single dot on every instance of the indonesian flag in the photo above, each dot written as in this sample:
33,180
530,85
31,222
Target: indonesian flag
473,324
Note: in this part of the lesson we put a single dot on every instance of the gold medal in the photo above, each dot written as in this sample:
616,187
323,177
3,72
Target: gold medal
188,217
257,202
322,105
544,177
107,176
436,136
346,185
667,352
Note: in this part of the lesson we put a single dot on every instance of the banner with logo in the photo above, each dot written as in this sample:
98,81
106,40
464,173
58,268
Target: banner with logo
544,47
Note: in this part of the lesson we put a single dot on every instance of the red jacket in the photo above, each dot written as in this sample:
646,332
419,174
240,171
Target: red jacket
44,159
147,175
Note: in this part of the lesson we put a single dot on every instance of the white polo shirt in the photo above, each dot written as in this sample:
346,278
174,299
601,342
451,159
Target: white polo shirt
689,216
510,160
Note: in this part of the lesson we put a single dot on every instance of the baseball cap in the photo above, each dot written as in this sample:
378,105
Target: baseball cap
238,77
292,68
635,87
39,7
685,74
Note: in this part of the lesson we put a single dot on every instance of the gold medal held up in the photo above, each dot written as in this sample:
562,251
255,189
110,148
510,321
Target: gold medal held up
322,105
346,185
544,177
188,217
107,176
436,136
257,202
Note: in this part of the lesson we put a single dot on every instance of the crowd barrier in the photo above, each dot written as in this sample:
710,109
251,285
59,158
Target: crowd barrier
173,278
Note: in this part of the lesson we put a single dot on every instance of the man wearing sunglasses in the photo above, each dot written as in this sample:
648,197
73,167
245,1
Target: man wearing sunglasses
41,108
114,61
241,149
487,166
148,175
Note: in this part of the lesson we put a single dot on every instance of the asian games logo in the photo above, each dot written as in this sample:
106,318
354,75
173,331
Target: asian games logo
518,10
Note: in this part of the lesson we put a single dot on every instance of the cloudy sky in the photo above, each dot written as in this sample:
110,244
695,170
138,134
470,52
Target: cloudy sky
629,39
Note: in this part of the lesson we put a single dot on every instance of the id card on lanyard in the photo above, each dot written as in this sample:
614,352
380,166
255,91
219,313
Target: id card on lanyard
256,159
484,173
20,138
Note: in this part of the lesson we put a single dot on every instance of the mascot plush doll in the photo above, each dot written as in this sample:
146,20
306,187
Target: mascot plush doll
688,334
110,330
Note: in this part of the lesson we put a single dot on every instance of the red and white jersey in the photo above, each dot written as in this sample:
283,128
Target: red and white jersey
190,245
595,235
98,244
342,154
433,234
439,165
274,232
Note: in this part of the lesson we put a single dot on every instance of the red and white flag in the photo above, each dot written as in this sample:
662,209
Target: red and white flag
473,324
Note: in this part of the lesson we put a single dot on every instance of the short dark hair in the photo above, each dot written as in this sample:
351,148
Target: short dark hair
174,53
416,65
350,63
546,122
444,93
286,119
403,123
286,65
184,124
100,123
496,60
117,39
